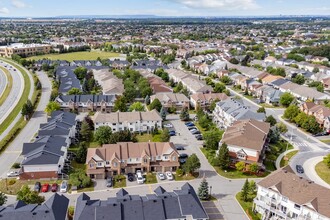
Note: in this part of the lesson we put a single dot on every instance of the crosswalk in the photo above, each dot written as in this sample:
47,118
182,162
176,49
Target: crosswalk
300,144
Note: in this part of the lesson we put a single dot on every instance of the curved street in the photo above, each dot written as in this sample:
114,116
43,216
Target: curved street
3,82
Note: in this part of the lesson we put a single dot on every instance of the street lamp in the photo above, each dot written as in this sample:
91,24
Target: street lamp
210,190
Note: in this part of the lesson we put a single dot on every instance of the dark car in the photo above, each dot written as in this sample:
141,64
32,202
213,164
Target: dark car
37,187
172,133
109,181
199,137
54,187
191,128
189,124
130,177
325,133
183,158
196,132
179,148
299,169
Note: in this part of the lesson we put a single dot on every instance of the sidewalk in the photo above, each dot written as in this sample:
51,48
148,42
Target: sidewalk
309,166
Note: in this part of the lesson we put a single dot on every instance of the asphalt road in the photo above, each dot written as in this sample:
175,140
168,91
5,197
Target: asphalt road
3,82
15,93
14,150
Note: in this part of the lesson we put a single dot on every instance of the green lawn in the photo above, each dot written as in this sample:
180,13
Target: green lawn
151,178
327,141
247,207
76,165
12,189
275,151
84,55
323,171
9,85
185,177
87,189
288,156
148,137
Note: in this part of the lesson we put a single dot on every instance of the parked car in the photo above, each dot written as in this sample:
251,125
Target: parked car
45,188
196,132
169,175
168,126
179,147
37,187
64,187
139,178
325,133
130,177
189,124
199,137
54,187
183,158
109,181
172,133
13,174
299,169
161,176
191,128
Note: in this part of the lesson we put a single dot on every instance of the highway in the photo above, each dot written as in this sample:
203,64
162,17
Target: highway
3,82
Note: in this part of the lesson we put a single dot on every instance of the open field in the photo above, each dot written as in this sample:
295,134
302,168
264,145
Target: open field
323,171
84,55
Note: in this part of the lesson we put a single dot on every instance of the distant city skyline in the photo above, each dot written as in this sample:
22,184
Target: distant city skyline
50,8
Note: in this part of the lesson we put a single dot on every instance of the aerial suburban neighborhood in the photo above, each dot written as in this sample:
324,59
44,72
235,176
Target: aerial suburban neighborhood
147,110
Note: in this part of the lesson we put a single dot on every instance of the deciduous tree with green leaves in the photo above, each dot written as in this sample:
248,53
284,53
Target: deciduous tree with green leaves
52,106
155,104
184,115
103,135
29,197
192,164
286,99
240,166
137,106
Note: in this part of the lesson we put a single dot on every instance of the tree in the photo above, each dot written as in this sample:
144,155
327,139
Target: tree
82,153
299,79
52,106
80,179
252,188
80,72
261,110
271,120
184,115
226,80
74,91
27,109
147,100
103,135
120,104
240,166
326,160
3,198
212,138
274,135
29,197
311,125
214,104
155,104
203,190
316,70
137,106
282,127
204,121
286,99
245,191
165,135
86,132
219,87
192,164
163,113
234,61
291,112
253,167
223,157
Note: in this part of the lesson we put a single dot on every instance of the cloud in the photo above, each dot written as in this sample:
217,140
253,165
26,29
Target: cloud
4,10
18,4
227,5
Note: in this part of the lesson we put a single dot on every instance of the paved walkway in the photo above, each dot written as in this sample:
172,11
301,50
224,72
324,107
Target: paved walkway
309,166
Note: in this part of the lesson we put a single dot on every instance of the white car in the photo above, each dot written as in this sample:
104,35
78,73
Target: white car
168,126
169,175
64,187
13,174
139,178
161,176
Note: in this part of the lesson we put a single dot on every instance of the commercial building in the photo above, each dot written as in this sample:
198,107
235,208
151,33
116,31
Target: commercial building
24,50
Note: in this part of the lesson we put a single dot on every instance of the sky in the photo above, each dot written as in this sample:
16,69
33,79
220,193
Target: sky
48,8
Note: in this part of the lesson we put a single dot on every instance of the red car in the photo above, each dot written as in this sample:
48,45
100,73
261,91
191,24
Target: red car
54,187
45,188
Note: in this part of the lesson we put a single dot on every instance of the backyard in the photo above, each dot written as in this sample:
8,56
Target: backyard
84,55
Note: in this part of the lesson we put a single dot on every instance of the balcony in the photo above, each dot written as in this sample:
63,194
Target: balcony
267,206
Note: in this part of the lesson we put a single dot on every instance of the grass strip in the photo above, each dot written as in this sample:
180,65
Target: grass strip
8,86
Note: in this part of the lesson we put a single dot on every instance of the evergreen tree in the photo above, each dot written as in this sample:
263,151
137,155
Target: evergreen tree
203,190
165,136
163,113
86,132
3,198
252,188
245,191
223,157
184,115
81,153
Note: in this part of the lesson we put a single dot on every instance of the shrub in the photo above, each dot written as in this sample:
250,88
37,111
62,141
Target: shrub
11,182
16,165
179,172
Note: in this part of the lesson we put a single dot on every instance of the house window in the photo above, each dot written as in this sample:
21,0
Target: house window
284,199
115,164
107,163
166,157
145,160
297,206
137,159
99,164
241,156
158,157
174,158
91,165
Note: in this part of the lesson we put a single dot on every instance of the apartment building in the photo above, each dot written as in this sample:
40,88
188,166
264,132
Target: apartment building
230,110
182,203
205,100
172,100
284,195
247,141
24,50
132,121
128,157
